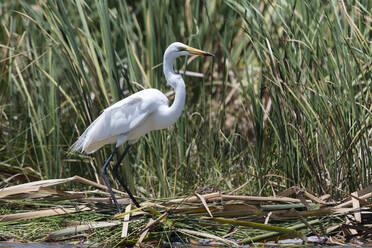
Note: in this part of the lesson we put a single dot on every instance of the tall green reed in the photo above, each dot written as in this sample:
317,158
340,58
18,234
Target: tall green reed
286,100
314,67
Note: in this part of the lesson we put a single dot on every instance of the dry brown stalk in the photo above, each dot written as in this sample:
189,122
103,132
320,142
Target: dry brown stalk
43,213
73,230
151,223
202,199
42,187
192,199
259,198
290,191
124,231
26,192
350,203
356,205
314,198
239,188
207,235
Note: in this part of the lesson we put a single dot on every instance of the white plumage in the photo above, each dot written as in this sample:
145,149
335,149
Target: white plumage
140,113
126,120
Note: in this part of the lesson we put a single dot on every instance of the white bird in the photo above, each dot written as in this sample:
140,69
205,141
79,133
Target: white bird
134,116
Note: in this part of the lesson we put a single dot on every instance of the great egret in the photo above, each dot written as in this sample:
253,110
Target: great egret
136,115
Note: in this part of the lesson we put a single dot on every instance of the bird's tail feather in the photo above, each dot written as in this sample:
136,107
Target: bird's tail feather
78,146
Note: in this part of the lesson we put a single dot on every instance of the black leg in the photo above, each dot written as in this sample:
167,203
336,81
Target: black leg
107,181
121,181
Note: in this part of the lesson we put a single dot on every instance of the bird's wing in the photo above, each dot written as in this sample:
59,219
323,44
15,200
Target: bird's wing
129,113
119,119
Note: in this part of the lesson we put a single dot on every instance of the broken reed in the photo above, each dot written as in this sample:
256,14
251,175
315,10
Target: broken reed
66,216
285,102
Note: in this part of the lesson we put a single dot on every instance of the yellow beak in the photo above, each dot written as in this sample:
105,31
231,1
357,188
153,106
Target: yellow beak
198,52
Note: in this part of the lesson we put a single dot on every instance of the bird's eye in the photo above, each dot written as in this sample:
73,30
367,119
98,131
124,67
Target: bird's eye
181,48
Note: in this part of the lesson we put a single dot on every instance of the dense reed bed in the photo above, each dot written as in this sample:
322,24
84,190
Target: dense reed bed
285,102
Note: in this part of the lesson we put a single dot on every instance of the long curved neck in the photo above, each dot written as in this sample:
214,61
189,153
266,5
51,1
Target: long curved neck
176,108
176,82
168,62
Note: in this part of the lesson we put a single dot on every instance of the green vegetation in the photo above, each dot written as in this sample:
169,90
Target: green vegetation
286,101
97,228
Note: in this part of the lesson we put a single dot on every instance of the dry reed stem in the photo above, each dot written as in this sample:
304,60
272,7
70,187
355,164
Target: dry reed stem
43,213
202,199
350,202
259,198
207,235
124,231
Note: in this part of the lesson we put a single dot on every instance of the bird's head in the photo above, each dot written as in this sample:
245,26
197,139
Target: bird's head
177,49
